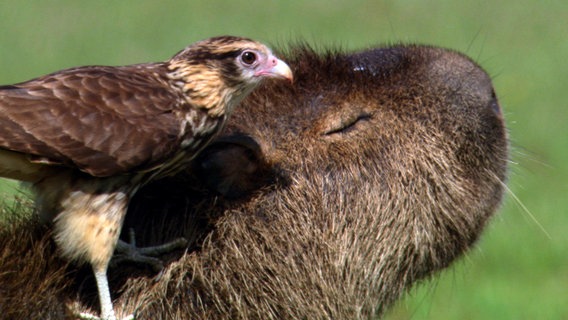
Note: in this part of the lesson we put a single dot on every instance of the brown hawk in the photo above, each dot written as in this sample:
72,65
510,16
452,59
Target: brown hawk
87,138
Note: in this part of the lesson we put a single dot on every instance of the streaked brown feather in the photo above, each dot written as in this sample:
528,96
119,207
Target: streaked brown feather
103,120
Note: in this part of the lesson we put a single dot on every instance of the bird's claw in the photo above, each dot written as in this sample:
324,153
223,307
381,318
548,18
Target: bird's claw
129,252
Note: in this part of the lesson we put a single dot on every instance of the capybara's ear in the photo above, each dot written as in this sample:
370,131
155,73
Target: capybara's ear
231,165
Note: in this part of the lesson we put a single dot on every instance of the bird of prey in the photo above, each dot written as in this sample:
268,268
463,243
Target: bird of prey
88,138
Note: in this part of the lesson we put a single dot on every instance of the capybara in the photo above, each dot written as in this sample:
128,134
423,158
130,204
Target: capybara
324,199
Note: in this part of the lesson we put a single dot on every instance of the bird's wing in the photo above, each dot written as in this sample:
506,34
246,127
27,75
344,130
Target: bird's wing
103,120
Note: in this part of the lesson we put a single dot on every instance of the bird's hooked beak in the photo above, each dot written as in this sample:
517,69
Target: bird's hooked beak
275,68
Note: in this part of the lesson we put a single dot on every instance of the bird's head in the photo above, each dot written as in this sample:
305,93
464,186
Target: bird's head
217,73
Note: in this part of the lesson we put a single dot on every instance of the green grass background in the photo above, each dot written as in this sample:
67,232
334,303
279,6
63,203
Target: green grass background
517,271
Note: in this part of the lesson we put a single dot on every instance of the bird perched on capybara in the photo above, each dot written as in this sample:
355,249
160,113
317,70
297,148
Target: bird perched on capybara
325,199
88,138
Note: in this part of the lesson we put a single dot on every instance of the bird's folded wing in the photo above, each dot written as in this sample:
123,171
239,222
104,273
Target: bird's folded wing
103,120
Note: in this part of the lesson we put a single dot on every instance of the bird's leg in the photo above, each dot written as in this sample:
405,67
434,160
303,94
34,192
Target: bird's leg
129,252
107,311
88,226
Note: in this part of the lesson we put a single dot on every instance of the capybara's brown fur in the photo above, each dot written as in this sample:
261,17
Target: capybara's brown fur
326,199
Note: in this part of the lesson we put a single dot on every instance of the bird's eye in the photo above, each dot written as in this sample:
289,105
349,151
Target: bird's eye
248,57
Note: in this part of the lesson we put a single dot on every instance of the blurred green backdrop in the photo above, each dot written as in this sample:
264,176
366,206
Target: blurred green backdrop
518,270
